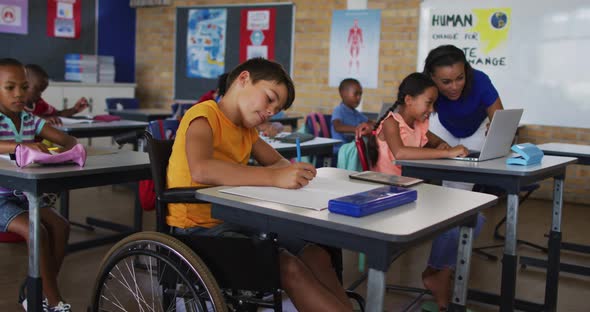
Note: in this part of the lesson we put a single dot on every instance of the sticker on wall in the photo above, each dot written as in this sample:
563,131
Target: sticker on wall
63,18
205,47
257,34
13,16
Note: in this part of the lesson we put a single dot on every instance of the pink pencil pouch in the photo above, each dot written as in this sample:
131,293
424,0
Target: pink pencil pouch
26,156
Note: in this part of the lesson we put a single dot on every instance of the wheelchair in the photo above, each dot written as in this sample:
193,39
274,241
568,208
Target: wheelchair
157,271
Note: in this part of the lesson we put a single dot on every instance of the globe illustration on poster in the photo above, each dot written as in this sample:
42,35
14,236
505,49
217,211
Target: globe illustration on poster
499,20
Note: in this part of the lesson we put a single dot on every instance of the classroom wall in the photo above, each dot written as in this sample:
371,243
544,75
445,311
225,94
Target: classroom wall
397,58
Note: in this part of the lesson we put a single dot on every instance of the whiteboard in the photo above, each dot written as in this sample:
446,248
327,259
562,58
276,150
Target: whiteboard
536,52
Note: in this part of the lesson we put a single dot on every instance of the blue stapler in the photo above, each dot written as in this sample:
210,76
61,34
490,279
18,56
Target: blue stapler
528,154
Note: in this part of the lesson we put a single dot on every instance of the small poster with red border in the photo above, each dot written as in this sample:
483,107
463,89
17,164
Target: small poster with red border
64,18
257,33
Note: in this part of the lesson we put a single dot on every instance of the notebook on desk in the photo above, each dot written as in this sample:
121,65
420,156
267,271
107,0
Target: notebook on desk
499,138
384,178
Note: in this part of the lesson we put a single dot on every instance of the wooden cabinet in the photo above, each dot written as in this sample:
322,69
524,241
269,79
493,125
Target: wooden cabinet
65,94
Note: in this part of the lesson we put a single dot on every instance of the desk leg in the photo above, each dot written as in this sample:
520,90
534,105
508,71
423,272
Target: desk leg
552,281
459,302
508,288
375,290
34,285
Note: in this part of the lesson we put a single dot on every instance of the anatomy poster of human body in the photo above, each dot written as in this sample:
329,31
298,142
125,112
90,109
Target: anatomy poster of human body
354,46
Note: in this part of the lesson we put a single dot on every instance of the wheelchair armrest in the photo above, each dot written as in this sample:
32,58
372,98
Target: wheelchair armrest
180,195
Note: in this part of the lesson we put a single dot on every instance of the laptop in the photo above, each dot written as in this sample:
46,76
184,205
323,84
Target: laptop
499,138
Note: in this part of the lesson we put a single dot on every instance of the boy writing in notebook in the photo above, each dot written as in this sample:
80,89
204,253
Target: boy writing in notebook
213,144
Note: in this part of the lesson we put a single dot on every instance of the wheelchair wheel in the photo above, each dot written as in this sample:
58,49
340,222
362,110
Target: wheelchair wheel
150,271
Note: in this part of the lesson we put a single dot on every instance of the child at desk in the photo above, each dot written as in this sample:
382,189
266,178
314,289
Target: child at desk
345,118
19,127
403,134
212,147
38,82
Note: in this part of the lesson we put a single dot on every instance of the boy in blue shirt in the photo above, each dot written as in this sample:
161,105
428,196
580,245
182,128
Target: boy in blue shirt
345,117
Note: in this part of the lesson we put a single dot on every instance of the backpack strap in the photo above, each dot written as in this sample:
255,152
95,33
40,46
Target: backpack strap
162,132
324,125
312,118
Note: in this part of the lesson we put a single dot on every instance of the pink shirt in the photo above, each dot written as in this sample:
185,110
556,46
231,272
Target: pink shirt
414,136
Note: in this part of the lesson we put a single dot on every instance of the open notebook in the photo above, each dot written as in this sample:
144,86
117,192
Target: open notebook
315,195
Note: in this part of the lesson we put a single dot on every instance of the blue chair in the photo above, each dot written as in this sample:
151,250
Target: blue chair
163,129
178,109
126,103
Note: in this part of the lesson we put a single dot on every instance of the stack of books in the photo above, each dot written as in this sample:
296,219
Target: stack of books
81,67
106,69
90,68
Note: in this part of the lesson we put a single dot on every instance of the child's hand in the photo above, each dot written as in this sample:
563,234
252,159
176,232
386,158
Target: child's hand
53,120
362,130
295,176
81,105
443,145
458,151
38,146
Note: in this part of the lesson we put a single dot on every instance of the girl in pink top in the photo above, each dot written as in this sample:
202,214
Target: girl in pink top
403,134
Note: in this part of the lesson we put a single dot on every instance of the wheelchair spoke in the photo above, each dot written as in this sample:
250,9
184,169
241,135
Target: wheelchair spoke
147,275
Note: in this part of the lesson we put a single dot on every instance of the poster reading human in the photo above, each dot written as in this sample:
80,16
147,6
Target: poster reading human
354,46
13,16
64,18
257,33
205,47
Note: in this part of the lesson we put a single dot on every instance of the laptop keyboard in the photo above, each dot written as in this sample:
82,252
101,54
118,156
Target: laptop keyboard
473,155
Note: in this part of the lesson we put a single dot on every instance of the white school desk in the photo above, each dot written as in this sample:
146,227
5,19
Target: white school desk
582,152
142,114
288,119
35,180
102,129
317,147
380,236
495,172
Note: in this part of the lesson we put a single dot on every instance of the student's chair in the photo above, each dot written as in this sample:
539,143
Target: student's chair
199,273
362,153
9,237
122,103
163,129
319,125
178,109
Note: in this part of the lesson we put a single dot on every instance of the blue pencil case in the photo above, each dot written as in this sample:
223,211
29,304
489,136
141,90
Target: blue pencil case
369,202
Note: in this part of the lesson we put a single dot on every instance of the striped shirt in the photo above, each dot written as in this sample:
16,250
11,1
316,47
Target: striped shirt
30,127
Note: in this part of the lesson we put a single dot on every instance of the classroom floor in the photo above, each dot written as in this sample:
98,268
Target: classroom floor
79,270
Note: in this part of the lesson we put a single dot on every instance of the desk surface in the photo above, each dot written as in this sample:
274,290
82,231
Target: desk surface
565,149
119,124
141,111
279,146
492,166
118,162
435,208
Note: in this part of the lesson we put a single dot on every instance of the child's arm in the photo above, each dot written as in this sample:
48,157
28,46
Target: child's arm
207,170
435,142
10,146
394,141
268,156
343,128
53,135
80,105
